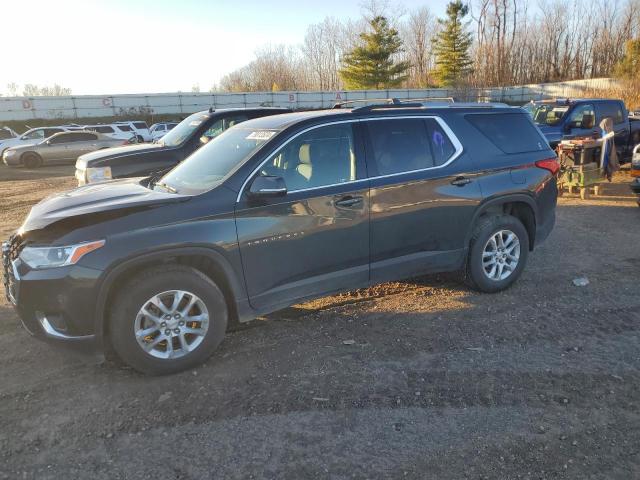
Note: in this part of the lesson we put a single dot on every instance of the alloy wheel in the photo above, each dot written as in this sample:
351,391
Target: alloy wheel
501,255
171,324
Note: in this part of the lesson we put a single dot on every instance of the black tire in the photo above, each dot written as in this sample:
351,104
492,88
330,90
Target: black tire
31,160
142,287
486,228
140,139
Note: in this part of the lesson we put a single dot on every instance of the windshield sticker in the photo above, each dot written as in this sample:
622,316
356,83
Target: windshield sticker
261,135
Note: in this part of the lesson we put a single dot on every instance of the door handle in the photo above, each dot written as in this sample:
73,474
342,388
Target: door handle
348,201
460,181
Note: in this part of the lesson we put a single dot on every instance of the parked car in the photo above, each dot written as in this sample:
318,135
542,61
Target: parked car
6,133
277,210
34,135
159,130
635,172
140,128
119,132
143,160
61,147
564,119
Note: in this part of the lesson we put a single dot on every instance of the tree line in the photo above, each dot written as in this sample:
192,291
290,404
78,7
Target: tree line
478,43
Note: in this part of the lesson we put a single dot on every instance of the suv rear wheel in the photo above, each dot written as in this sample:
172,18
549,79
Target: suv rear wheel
497,253
168,319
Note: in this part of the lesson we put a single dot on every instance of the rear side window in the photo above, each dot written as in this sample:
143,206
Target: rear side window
51,131
102,129
405,145
79,137
140,125
510,132
124,128
4,134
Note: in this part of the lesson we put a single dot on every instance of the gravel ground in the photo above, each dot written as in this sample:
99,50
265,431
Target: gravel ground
416,379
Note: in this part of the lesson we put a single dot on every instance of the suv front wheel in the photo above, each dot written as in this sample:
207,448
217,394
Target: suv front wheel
167,319
497,253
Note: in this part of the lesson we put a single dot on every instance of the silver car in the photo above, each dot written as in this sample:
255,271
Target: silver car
63,147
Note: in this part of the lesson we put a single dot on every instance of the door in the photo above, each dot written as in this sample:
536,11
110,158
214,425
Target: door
423,196
315,239
616,112
80,143
55,149
582,121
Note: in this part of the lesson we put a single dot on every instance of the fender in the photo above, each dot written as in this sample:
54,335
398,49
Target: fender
501,200
236,286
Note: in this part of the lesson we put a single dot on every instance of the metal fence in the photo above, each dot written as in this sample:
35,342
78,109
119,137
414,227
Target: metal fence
86,106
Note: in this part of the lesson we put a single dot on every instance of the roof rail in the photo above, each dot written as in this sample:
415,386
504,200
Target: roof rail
394,103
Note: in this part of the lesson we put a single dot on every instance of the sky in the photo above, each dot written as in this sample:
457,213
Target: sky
143,46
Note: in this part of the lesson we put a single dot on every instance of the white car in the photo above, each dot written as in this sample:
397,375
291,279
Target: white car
33,136
119,132
159,130
139,127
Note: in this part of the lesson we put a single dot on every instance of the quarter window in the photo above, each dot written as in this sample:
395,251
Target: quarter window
321,157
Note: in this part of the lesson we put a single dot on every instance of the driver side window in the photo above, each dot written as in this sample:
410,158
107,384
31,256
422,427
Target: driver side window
583,116
35,135
321,157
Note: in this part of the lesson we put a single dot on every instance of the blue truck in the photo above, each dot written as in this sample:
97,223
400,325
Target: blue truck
569,118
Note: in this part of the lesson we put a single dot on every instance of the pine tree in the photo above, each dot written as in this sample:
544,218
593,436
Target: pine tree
371,64
451,46
629,67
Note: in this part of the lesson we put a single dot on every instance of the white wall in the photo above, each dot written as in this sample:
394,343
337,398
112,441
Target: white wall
132,106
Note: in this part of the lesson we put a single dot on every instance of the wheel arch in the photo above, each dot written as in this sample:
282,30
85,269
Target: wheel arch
208,261
521,206
30,152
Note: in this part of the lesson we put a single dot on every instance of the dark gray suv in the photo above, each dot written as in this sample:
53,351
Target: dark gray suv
277,210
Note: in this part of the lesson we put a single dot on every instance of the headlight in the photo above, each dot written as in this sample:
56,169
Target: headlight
98,174
49,257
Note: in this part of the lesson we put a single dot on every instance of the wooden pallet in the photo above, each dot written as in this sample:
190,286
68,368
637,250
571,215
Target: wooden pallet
585,192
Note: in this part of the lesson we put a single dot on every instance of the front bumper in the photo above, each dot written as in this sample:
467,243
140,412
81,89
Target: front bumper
12,161
56,304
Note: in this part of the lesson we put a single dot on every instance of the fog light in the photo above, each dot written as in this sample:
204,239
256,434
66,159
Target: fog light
52,323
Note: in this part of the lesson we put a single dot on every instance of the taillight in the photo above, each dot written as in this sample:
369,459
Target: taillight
550,164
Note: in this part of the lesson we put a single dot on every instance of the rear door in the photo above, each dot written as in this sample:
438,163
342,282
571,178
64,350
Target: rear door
315,240
424,193
616,111
79,143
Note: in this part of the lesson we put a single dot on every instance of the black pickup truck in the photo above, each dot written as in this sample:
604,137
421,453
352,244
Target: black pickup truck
564,119
184,139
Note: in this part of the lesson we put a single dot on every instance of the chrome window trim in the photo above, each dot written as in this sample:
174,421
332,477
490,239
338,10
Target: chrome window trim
447,130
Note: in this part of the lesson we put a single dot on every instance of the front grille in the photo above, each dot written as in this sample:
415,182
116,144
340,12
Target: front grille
10,252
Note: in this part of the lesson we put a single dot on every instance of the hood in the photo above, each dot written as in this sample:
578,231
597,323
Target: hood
94,157
16,142
96,200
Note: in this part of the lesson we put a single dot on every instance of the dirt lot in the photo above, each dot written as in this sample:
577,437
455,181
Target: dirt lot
541,381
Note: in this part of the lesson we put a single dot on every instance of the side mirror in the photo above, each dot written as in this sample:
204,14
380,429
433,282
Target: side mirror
587,121
48,142
268,186
567,127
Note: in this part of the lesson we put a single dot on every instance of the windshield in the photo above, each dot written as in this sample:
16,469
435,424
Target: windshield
184,130
207,166
547,113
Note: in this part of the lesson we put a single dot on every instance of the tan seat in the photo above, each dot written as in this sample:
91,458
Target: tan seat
305,167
